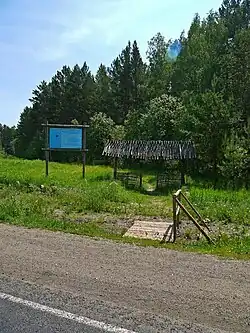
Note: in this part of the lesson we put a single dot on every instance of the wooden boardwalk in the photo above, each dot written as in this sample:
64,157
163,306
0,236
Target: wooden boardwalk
150,230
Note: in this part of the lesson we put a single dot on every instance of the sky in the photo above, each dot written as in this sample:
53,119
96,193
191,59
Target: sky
38,37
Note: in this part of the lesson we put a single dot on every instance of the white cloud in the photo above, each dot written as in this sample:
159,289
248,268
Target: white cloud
50,30
123,16
46,30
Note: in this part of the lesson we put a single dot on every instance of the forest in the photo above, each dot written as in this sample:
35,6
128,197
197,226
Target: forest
203,96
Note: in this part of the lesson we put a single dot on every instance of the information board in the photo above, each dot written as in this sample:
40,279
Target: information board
65,138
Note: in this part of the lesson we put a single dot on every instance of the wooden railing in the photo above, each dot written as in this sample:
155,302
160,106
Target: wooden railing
178,204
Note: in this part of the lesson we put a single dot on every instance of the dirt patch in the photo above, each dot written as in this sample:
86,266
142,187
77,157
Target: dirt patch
112,223
120,225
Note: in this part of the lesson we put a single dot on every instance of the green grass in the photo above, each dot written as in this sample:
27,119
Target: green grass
33,172
235,247
220,205
30,199
65,188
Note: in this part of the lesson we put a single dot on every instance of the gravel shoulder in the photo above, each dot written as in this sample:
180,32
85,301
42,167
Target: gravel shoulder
144,289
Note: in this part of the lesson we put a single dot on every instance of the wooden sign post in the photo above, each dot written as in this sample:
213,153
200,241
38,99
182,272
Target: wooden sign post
65,138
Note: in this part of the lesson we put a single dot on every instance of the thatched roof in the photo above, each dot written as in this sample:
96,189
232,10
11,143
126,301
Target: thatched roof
150,150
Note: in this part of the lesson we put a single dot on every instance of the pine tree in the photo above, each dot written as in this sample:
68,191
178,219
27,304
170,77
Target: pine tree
138,75
104,102
159,69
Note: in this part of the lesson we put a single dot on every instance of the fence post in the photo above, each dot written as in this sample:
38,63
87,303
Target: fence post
178,211
174,217
47,149
84,151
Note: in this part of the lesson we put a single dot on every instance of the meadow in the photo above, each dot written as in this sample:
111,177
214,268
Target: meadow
99,207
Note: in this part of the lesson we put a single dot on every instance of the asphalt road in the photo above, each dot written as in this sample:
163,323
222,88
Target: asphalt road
17,318
54,282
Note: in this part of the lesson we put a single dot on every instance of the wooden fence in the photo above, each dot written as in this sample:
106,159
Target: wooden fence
179,198
129,179
168,180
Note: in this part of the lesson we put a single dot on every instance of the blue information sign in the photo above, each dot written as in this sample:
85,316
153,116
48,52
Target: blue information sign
65,138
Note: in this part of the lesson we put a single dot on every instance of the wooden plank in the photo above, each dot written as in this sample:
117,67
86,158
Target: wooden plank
149,230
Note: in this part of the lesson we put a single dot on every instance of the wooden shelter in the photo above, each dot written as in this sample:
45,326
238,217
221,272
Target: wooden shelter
149,150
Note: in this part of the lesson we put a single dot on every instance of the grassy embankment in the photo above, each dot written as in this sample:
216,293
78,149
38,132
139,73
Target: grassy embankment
66,202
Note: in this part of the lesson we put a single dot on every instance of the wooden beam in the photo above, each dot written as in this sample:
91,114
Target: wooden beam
65,126
194,221
196,211
177,193
174,218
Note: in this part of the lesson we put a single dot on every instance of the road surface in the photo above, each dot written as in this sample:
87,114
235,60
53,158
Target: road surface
56,282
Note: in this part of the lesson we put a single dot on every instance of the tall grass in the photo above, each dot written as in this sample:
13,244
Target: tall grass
98,193
65,189
33,172
221,205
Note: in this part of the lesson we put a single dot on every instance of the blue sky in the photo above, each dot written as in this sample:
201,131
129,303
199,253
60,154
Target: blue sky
38,37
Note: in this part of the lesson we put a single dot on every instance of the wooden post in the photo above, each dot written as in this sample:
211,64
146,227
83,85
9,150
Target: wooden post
177,195
83,151
46,149
174,218
140,180
115,167
178,210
